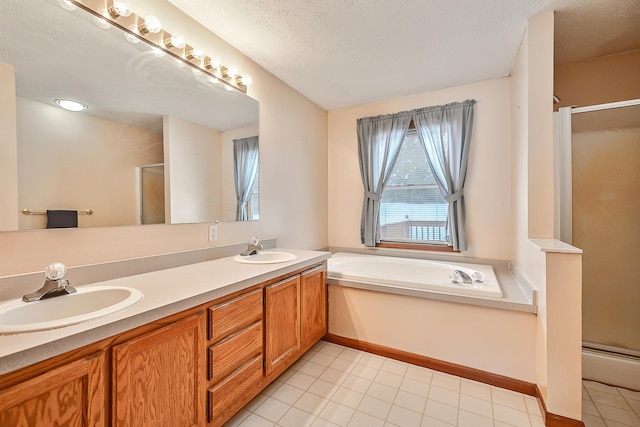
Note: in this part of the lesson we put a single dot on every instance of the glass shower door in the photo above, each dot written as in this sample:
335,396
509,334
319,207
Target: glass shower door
605,164
152,194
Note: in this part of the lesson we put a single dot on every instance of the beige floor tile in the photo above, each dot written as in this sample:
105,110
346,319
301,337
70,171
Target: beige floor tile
470,419
375,407
334,386
476,389
404,417
410,401
442,412
361,419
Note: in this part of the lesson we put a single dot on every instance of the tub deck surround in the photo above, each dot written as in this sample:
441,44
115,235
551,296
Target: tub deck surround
516,296
166,292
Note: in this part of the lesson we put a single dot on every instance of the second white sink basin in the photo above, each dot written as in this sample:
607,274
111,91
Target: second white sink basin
87,303
265,258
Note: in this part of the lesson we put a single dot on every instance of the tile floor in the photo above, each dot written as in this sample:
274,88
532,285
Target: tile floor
333,385
606,406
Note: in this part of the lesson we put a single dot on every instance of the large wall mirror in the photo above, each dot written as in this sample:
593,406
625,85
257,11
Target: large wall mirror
154,145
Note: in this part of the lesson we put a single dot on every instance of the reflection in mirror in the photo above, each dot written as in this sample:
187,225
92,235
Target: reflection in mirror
245,160
142,110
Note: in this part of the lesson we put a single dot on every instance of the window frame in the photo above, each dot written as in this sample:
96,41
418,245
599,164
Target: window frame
428,246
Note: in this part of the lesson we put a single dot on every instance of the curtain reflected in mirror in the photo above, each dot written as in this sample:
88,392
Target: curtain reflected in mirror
245,160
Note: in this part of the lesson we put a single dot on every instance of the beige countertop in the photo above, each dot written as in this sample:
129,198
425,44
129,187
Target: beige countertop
166,292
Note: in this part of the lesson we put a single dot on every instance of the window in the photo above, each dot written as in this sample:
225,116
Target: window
253,204
412,209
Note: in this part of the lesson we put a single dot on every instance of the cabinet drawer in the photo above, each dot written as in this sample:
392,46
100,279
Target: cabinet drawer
226,398
235,314
233,352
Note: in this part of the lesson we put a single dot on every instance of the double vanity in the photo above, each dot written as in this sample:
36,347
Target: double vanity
200,344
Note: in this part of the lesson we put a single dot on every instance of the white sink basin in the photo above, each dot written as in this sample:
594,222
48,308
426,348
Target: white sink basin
87,303
265,258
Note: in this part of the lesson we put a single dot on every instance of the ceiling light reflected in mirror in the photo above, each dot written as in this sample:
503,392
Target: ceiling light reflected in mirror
71,105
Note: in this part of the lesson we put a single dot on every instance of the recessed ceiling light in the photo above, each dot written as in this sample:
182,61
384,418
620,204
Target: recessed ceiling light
70,105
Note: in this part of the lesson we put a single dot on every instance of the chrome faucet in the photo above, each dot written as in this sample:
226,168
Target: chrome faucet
253,247
461,275
54,285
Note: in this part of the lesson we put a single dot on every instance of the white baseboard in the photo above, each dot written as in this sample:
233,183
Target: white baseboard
617,370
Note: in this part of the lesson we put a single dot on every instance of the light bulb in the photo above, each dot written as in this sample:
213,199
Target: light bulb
176,40
67,5
130,37
157,52
101,22
151,25
212,64
232,72
247,80
195,53
70,105
119,8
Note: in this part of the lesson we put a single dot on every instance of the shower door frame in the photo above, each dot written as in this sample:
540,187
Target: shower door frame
562,161
563,187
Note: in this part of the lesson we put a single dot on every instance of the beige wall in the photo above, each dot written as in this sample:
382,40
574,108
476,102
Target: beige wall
192,172
8,150
67,160
487,191
293,150
606,208
497,341
599,80
541,262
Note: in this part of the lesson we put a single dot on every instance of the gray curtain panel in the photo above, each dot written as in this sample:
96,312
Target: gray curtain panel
245,160
379,141
445,133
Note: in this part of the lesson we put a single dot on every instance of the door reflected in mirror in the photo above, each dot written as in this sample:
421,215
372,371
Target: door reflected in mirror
142,110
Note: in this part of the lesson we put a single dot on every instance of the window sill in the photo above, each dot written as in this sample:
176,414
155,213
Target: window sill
438,248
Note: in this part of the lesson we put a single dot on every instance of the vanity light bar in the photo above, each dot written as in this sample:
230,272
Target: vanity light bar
150,30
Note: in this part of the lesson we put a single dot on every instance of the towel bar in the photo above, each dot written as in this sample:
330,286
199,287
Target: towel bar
27,211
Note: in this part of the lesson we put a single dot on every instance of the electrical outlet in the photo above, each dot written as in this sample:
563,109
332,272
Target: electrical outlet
213,233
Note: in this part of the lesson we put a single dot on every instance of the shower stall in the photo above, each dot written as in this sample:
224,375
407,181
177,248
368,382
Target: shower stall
598,211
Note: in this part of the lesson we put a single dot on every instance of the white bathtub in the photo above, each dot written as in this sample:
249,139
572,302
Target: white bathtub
412,274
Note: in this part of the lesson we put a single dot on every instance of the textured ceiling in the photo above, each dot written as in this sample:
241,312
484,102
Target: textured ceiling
341,53
590,29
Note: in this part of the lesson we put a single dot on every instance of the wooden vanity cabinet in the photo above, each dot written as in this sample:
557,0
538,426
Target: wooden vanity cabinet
282,316
157,377
235,352
69,395
313,306
295,318
194,368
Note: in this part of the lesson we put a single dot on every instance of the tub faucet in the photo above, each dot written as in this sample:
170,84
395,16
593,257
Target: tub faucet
461,275
54,285
253,247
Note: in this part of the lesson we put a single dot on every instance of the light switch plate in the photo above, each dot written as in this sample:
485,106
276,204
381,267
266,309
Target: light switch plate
213,233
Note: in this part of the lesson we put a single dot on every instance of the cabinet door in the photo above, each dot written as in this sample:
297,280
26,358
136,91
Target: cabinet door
282,323
70,395
313,305
158,378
